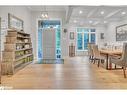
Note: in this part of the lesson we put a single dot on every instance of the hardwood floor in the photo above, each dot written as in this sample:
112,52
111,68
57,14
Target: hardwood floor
75,73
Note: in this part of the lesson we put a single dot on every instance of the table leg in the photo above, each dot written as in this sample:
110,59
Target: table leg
107,61
110,65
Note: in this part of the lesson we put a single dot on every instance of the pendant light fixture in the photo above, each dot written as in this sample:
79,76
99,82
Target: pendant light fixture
44,13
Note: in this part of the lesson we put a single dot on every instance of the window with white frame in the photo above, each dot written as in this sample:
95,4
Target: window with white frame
85,36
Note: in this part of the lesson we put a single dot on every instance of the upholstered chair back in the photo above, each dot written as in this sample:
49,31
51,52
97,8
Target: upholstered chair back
124,54
90,51
96,52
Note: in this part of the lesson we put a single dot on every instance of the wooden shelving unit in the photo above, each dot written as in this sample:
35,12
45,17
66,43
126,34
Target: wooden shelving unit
17,52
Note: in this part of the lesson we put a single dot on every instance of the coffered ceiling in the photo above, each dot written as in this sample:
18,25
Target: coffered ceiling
89,15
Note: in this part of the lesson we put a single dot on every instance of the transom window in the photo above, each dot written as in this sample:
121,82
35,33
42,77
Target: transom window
85,36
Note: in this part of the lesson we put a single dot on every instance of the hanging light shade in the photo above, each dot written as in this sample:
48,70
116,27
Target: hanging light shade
44,13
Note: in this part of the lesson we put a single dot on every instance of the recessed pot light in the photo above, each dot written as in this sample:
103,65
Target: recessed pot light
105,21
102,12
123,13
75,21
80,12
90,21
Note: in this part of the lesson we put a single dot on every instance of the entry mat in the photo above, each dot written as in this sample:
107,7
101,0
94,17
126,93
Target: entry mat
50,61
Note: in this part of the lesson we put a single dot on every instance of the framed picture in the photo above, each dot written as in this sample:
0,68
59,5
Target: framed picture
71,35
121,33
14,22
102,36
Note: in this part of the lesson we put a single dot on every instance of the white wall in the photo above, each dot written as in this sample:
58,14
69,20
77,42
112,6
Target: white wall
111,31
21,12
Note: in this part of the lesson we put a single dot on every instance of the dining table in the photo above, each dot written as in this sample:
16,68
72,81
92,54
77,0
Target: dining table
108,53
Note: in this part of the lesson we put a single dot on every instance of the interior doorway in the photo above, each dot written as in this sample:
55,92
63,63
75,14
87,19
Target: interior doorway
45,25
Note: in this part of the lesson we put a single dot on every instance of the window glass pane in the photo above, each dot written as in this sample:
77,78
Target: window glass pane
92,38
92,30
86,40
83,39
85,30
79,41
80,30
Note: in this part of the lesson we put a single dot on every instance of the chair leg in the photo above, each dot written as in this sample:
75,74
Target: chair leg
115,66
98,63
89,57
94,61
124,72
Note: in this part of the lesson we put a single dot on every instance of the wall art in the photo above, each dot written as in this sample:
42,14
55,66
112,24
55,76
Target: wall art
121,33
14,22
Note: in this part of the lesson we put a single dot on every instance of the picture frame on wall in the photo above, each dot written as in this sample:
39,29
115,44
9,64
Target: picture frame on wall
121,33
101,35
15,22
72,35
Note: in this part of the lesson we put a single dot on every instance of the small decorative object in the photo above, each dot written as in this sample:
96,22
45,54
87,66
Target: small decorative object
71,35
65,30
17,47
26,46
121,33
26,40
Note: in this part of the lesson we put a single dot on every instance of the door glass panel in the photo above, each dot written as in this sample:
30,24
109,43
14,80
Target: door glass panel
40,43
58,49
79,42
86,40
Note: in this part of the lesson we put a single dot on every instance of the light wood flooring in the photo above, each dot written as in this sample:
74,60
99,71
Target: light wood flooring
75,73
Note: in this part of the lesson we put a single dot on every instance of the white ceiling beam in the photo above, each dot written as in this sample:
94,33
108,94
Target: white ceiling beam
112,13
83,18
96,23
94,19
68,13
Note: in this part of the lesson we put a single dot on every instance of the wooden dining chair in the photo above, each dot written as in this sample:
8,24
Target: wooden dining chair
97,55
121,61
0,72
90,52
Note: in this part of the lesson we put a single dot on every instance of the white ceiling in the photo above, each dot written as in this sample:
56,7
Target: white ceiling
48,8
91,15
